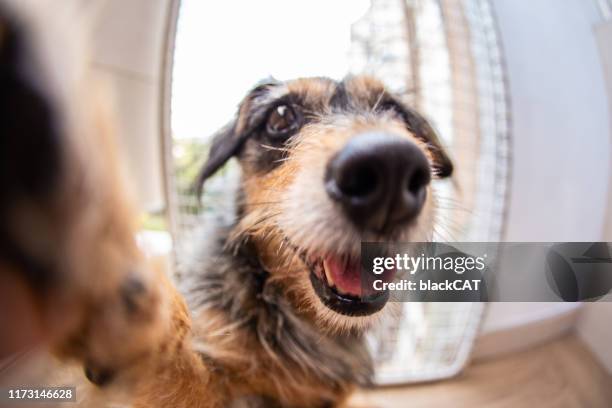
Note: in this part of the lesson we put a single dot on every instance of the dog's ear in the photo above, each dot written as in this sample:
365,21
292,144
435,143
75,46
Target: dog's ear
421,126
228,141
225,144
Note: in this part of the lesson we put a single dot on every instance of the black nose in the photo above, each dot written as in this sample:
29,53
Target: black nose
380,180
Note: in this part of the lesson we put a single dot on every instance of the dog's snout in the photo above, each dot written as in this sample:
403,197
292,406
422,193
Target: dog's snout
379,179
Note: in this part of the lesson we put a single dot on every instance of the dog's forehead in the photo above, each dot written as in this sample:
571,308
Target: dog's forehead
363,87
356,91
312,90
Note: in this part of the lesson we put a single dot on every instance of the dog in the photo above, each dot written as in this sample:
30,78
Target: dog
325,165
269,310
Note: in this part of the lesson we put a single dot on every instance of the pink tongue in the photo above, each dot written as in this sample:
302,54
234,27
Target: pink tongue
346,276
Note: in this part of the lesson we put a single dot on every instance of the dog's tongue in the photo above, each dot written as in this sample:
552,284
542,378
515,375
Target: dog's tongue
344,275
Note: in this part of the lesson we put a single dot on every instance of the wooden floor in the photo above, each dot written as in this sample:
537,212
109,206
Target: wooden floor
559,374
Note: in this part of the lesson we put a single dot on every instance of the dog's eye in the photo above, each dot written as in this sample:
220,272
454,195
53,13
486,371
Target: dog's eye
281,120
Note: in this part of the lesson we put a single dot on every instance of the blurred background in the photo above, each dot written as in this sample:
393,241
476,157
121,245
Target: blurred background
521,93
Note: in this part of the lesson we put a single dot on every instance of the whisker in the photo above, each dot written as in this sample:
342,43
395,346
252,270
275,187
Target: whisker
281,149
262,203
378,100
449,230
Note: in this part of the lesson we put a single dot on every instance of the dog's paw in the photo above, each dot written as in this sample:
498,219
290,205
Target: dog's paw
122,330
34,217
71,274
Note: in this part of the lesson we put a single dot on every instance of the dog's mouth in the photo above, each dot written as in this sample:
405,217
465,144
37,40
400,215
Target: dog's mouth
339,283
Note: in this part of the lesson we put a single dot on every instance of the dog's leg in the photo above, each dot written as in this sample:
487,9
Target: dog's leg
69,263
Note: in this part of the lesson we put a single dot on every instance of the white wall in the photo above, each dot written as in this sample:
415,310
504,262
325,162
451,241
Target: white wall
595,325
594,329
128,49
603,32
561,132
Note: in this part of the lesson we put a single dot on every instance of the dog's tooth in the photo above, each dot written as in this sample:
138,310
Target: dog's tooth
328,274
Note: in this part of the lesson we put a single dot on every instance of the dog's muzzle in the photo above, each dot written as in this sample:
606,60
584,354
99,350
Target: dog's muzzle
380,182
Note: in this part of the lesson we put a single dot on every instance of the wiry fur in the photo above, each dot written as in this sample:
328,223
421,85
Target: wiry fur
288,359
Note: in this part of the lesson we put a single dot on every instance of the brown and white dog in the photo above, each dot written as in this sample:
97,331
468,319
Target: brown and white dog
274,313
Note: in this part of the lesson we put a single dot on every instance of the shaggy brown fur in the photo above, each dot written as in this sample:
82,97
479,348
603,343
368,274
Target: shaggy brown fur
252,331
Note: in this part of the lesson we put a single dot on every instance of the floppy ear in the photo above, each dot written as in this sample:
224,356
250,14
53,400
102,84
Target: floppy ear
422,127
228,141
225,144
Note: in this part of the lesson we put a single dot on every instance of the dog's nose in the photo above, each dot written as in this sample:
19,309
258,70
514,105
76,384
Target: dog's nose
379,179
